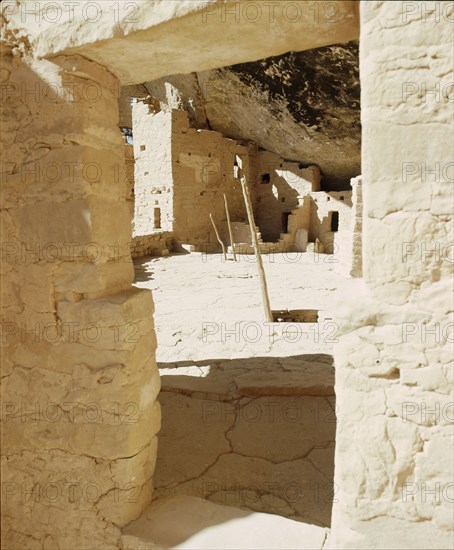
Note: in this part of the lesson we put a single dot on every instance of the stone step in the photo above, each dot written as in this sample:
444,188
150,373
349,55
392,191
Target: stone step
286,237
195,523
302,376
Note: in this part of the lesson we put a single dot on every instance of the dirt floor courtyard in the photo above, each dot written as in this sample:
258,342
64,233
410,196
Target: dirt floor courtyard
240,396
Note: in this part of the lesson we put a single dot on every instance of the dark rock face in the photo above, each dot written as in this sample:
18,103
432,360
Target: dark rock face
303,106
319,86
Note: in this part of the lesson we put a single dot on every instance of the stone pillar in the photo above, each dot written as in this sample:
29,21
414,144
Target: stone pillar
350,254
79,379
356,265
394,443
153,178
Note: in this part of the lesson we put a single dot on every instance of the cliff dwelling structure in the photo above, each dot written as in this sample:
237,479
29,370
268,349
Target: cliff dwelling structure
227,252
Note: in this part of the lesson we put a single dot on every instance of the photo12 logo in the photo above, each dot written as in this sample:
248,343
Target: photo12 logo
271,492
71,11
268,412
271,12
51,92
425,92
428,414
433,492
428,252
71,412
422,172
70,172
252,332
435,333
69,332
67,492
15,253
428,12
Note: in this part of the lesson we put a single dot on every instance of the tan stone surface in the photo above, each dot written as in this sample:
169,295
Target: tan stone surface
218,315
190,438
394,376
121,38
79,379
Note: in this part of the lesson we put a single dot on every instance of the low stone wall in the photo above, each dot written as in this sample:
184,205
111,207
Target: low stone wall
153,245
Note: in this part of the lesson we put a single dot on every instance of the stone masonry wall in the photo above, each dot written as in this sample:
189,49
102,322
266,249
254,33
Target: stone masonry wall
348,246
323,204
156,244
144,245
203,170
394,371
184,172
153,179
276,189
301,217
79,379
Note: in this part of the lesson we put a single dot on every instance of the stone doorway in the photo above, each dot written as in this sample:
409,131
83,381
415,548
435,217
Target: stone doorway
219,364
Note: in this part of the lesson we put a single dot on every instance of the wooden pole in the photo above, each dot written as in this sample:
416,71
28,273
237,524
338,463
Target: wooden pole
232,244
218,237
258,255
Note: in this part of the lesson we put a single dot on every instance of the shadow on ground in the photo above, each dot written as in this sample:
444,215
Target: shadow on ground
255,433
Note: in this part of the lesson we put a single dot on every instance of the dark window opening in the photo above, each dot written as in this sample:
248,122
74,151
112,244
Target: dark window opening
142,147
334,221
285,216
157,218
266,178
